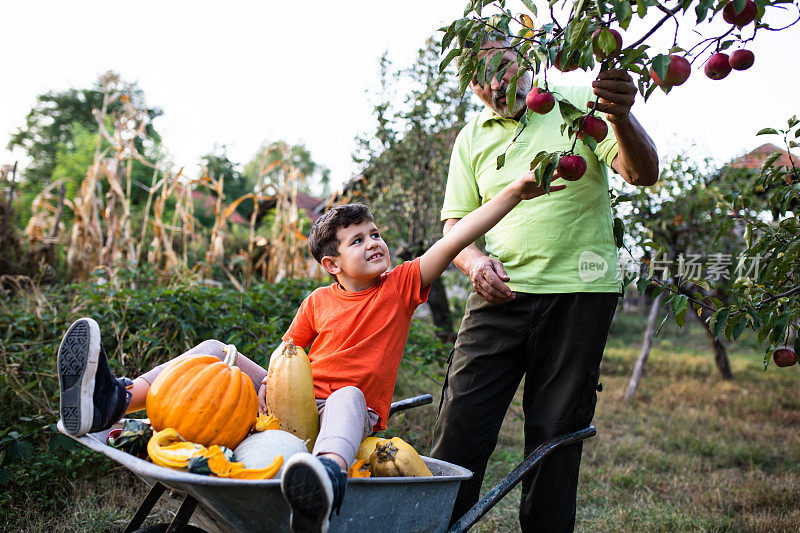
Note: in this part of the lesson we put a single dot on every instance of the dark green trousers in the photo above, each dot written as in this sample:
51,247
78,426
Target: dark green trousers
556,341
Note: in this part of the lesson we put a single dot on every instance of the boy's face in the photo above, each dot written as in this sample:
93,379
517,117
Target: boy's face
363,256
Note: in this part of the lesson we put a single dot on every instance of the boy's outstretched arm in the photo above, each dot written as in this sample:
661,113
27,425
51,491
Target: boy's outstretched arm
434,261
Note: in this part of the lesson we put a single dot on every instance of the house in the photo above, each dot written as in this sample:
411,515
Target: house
755,158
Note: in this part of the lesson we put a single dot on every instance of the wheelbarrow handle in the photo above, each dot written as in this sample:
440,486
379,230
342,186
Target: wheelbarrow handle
408,403
510,481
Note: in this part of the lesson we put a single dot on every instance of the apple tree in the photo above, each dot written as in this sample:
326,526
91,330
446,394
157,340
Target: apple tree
602,34
589,34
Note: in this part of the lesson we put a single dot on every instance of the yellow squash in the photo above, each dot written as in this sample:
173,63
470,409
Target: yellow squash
359,469
395,457
290,393
367,447
167,448
264,422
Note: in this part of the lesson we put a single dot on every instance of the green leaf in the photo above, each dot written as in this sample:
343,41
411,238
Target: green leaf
511,91
538,159
660,64
619,231
450,34
452,54
767,131
623,11
493,64
60,442
779,328
466,72
701,9
754,316
642,283
577,30
738,5
531,6
680,303
568,111
738,328
719,320
771,158
501,160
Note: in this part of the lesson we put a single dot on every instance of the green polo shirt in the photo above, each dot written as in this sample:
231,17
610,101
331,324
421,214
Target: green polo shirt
556,243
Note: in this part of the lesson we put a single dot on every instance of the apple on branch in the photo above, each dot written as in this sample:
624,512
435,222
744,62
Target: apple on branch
718,66
540,101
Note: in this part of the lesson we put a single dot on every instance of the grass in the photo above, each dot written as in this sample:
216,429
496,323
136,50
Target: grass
691,453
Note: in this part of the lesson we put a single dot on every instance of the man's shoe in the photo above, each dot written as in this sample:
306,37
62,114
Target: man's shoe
92,399
314,488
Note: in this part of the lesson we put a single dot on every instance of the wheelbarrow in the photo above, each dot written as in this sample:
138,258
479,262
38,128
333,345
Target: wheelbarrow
402,504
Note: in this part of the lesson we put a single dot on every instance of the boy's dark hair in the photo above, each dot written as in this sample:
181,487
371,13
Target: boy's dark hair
322,241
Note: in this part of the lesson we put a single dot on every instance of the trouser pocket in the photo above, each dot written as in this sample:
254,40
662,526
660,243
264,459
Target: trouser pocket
444,385
587,400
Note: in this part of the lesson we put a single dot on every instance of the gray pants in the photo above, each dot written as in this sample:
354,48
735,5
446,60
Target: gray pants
344,419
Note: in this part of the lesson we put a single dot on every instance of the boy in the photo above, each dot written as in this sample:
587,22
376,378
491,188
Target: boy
355,332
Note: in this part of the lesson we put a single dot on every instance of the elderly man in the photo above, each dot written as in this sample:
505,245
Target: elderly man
545,291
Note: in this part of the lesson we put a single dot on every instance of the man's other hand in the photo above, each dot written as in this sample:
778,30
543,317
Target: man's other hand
617,93
488,278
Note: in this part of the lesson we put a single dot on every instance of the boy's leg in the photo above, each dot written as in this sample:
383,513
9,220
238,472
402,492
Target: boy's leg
314,485
91,397
213,347
208,347
344,421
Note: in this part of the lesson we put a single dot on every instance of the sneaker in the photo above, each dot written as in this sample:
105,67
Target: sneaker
314,488
92,399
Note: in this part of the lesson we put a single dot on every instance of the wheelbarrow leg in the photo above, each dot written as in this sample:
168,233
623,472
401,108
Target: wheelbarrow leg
184,514
497,493
147,505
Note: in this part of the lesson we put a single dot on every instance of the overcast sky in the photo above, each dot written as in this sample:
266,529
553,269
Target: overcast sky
239,73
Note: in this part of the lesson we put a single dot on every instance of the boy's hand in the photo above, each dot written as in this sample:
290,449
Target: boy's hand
527,188
262,396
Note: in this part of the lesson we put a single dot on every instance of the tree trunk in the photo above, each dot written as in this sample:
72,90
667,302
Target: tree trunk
720,353
440,310
649,333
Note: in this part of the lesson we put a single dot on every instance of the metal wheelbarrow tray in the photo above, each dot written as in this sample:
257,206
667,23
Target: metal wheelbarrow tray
401,504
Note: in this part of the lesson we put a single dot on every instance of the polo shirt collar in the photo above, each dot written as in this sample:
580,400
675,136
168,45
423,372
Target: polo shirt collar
487,117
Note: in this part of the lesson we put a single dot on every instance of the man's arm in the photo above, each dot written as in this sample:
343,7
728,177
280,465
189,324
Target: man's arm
434,261
637,159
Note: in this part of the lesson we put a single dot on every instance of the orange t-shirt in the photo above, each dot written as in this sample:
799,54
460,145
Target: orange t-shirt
358,338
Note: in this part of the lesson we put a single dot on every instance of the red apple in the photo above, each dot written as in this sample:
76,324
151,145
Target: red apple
717,66
571,167
784,357
741,59
599,54
567,68
593,127
677,72
540,101
742,18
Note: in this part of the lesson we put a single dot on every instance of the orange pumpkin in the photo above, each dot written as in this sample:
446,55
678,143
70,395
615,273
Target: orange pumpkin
206,400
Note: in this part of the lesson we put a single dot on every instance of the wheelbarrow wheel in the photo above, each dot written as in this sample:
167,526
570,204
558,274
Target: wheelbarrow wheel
162,528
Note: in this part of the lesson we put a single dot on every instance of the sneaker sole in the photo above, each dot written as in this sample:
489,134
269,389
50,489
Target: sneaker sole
78,356
306,496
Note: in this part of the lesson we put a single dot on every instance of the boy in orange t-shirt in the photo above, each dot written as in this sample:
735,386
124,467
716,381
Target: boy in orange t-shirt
355,331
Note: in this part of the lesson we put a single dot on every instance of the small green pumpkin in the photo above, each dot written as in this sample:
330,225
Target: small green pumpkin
133,438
